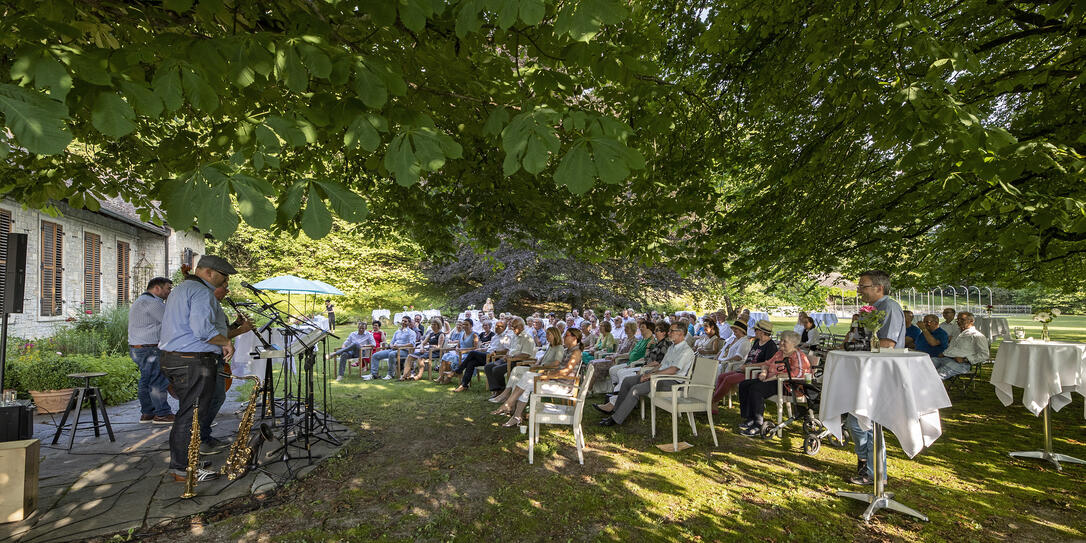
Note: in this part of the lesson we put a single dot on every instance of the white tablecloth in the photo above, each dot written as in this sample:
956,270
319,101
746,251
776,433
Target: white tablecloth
992,327
755,316
1046,372
826,318
378,313
898,390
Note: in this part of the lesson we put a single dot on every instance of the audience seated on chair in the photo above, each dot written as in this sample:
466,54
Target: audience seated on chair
605,361
950,326
933,339
788,362
762,348
352,348
429,348
402,340
677,362
489,343
809,336
709,343
556,379
465,343
521,351
970,347
912,331
553,355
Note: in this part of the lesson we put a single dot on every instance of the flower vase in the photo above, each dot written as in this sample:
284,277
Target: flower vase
874,343
1044,332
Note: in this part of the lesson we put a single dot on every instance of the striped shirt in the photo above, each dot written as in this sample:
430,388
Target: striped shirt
145,319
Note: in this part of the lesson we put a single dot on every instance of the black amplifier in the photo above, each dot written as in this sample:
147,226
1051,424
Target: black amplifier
17,421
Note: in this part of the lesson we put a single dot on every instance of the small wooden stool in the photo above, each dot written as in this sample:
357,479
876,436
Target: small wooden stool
76,401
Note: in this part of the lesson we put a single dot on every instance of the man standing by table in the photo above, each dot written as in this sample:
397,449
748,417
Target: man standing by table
872,288
144,331
970,347
191,345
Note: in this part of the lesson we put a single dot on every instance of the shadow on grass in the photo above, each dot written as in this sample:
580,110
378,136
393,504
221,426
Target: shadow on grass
433,465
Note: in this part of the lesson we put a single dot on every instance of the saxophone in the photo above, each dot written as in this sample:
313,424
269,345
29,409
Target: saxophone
194,455
237,460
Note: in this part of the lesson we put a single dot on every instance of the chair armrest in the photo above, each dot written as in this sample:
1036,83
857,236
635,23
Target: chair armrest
750,371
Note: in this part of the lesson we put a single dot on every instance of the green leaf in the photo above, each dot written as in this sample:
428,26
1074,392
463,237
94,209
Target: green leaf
292,200
495,122
90,66
286,129
532,11
199,92
38,123
215,212
4,149
370,88
253,203
167,86
576,170
529,140
290,70
348,205
180,198
45,72
413,14
400,161
318,63
582,20
362,133
112,116
316,220
467,19
143,99
507,13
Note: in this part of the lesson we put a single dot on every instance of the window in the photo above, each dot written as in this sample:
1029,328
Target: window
5,227
187,257
92,272
52,270
124,274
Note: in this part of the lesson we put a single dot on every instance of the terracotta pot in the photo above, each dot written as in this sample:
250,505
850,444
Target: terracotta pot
51,401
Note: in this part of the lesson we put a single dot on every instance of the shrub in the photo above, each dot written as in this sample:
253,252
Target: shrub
45,370
96,334
122,379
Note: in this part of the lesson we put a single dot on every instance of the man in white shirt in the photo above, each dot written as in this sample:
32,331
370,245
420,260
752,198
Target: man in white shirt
521,348
577,320
618,329
970,347
678,361
950,326
352,348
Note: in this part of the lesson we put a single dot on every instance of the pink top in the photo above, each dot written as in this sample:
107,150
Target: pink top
775,366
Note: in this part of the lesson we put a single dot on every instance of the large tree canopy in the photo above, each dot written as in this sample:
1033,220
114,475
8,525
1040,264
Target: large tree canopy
941,140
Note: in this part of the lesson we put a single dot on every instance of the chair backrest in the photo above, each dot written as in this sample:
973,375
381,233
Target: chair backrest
582,394
704,373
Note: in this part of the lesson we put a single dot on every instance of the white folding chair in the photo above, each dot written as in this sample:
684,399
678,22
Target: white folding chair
691,397
553,413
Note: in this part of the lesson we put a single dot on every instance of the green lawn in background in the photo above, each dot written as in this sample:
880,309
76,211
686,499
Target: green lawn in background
433,465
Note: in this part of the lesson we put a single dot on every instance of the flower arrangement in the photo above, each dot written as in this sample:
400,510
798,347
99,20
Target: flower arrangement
988,309
871,319
1045,317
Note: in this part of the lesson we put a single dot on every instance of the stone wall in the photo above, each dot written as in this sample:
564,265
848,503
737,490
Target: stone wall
76,223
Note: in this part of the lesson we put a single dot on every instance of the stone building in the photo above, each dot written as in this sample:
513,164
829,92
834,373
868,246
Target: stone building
84,261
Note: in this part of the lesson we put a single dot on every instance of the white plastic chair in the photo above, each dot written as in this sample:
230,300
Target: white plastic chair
552,413
690,397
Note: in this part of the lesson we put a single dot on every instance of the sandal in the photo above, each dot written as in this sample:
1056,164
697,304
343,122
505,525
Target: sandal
501,411
513,421
460,388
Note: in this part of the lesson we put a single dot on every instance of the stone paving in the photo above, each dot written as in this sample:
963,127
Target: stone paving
101,488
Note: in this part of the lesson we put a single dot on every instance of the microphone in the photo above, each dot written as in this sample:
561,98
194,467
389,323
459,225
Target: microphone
252,289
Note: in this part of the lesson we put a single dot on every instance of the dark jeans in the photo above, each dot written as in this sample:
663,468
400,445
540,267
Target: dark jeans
189,377
752,395
218,397
152,388
495,374
352,352
472,360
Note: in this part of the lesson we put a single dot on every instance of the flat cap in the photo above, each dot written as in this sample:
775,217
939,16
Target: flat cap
216,263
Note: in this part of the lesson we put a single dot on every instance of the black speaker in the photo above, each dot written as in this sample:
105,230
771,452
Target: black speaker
15,273
16,422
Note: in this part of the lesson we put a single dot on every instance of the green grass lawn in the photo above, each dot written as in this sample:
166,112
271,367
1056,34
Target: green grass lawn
433,465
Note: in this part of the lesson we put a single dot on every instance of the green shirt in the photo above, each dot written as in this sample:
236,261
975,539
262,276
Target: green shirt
638,351
606,343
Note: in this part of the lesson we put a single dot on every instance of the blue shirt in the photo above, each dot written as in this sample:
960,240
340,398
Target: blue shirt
933,350
893,328
145,319
403,336
914,332
191,318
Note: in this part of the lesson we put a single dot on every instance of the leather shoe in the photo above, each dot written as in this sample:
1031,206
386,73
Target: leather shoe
608,422
601,410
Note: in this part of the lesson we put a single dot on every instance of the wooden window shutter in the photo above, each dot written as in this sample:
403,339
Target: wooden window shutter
124,277
52,269
5,228
92,271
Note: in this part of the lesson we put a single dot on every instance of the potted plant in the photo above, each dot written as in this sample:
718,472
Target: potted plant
45,377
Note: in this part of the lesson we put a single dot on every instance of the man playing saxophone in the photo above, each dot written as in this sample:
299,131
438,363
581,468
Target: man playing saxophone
210,444
191,345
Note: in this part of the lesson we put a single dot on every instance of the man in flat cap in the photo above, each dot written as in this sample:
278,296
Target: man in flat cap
191,343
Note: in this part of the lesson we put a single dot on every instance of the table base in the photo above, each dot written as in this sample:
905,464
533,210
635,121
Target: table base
880,499
1047,453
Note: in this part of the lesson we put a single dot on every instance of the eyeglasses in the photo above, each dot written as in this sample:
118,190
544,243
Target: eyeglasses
863,286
